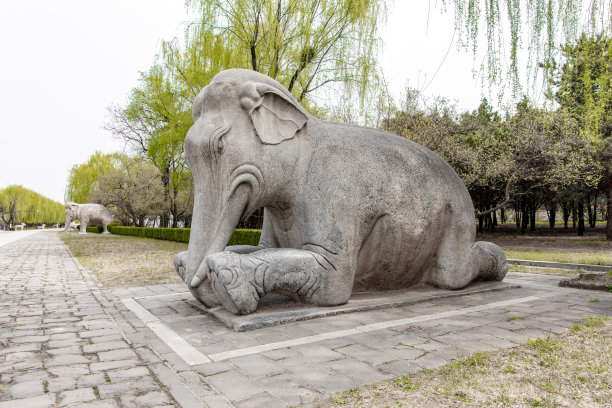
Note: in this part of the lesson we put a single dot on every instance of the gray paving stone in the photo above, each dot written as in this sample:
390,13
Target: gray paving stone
26,389
66,360
73,371
41,401
226,384
119,354
113,365
150,399
130,386
91,380
256,366
361,372
73,397
61,384
120,375
106,346
109,403
264,400
22,347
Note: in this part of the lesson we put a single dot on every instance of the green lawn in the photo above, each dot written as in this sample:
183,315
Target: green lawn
590,258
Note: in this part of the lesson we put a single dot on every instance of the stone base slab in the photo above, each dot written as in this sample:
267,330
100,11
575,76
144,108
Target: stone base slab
275,310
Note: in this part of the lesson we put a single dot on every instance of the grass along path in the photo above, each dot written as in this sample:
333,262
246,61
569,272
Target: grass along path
591,258
568,370
119,261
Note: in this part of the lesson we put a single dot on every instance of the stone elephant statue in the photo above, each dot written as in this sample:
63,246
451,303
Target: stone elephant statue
88,214
346,207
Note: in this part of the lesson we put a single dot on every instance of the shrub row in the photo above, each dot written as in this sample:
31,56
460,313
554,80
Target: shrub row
240,237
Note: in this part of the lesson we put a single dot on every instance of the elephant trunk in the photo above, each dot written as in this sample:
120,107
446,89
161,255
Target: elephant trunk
213,223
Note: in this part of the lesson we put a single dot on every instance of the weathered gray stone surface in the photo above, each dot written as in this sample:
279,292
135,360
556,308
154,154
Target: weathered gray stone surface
346,207
281,309
88,214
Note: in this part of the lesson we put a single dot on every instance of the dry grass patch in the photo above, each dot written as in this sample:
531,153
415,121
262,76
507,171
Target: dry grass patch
568,370
119,261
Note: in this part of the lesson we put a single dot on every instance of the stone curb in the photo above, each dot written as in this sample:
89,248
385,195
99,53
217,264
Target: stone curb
561,265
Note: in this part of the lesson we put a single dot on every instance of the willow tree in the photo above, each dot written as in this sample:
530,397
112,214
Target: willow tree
19,204
82,177
306,45
509,25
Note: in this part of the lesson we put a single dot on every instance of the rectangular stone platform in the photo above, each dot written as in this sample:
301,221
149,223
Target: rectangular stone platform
275,310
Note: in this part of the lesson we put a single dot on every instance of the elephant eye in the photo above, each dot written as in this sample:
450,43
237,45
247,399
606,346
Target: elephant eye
217,144
220,146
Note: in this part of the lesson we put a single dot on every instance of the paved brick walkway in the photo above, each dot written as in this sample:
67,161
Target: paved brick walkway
66,342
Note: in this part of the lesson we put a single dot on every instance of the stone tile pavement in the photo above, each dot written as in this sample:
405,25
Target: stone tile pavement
64,341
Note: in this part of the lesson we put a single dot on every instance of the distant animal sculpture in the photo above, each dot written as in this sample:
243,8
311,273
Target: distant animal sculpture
88,214
346,207
41,226
19,226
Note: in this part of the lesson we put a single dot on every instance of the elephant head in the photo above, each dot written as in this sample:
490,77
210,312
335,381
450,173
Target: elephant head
72,213
241,150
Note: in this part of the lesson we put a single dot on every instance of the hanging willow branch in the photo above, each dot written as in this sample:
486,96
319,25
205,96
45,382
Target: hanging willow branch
542,25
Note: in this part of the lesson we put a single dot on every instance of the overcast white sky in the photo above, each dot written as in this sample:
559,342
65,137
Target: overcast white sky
64,62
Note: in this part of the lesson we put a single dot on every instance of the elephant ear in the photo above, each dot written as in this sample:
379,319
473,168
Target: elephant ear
274,115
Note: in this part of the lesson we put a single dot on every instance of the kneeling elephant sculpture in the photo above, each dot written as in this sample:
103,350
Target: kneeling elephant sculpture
345,207
88,214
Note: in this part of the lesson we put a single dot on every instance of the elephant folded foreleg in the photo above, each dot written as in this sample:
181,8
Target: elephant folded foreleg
239,281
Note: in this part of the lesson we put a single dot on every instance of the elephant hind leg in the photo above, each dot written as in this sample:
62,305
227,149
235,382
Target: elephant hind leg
457,266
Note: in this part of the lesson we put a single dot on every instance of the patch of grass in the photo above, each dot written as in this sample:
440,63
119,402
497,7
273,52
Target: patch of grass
543,271
590,258
511,318
119,261
576,367
406,383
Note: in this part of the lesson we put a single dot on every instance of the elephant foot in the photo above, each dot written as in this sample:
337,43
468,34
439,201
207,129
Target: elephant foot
203,292
497,265
234,284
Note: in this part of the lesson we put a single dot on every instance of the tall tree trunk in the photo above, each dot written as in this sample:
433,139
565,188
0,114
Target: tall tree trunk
574,215
517,215
534,210
609,206
552,215
594,223
494,219
590,210
502,215
480,224
524,216
566,213
580,218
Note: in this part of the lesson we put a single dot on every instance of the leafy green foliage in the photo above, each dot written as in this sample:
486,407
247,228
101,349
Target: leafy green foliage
240,236
18,204
83,177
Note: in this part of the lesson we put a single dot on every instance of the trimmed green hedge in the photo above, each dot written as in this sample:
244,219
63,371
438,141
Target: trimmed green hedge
245,237
240,237
97,230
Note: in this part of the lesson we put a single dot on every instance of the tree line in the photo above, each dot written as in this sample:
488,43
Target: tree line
21,205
